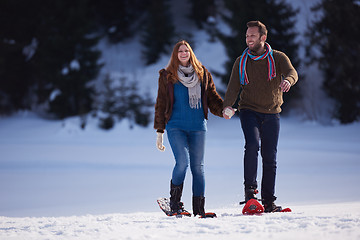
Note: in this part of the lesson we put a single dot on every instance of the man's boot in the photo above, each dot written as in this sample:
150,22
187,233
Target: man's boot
250,193
270,206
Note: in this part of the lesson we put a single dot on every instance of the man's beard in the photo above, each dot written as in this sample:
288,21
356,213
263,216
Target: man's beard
255,48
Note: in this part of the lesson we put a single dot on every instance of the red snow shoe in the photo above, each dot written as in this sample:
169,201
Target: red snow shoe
252,207
286,210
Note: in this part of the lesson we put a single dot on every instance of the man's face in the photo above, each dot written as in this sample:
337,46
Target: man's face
253,39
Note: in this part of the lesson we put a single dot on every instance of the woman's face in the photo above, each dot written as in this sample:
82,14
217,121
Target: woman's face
184,55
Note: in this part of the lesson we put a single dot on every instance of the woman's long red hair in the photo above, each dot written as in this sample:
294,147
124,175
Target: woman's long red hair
174,61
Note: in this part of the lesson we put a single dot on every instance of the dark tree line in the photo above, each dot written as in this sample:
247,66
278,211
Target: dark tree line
47,52
48,57
334,44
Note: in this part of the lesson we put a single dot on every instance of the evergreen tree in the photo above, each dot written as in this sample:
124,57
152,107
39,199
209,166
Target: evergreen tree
334,45
66,60
18,23
119,99
49,55
278,17
158,31
201,10
118,19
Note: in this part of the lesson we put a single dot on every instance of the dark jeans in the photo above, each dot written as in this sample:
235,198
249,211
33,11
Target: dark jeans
265,128
188,148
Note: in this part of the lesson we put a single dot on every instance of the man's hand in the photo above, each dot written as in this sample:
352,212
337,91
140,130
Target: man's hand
159,142
228,112
285,85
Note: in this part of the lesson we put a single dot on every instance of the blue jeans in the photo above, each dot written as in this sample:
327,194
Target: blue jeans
188,147
265,128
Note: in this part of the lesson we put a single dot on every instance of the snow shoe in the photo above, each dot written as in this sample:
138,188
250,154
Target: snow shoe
164,204
252,207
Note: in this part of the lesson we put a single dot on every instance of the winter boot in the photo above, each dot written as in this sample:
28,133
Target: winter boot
250,193
269,206
198,208
177,207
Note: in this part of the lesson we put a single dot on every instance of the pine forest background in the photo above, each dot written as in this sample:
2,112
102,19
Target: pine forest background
50,60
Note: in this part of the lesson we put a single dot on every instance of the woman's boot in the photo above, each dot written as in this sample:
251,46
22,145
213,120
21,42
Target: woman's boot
177,207
198,208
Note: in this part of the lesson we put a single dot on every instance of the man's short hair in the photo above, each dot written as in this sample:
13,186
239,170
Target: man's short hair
260,25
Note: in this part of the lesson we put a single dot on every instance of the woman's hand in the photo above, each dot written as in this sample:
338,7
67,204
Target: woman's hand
159,142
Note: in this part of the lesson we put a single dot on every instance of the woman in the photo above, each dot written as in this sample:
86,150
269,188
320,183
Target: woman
185,92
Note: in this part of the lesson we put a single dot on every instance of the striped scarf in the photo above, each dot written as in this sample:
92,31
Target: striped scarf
242,64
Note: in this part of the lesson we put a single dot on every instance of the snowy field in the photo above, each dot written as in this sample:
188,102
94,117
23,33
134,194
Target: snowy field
306,222
60,182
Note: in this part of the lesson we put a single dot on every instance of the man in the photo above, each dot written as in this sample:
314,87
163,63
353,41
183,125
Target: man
263,75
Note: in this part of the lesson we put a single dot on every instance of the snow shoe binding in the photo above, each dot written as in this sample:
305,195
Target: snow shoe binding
271,207
250,193
164,204
173,206
252,206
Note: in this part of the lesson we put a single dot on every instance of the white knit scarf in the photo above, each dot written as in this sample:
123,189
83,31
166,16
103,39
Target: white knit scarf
190,79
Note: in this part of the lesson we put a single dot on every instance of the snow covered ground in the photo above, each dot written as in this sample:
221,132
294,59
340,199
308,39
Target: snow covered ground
307,222
60,182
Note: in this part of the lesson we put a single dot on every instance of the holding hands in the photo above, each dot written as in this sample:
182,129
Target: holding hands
228,112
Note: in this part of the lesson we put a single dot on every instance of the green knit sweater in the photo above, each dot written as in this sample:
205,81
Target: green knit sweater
260,94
